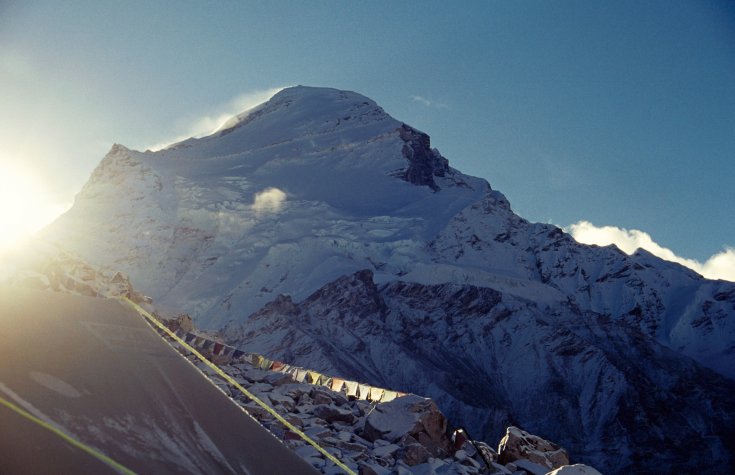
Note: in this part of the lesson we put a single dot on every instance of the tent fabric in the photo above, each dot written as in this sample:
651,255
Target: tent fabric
167,406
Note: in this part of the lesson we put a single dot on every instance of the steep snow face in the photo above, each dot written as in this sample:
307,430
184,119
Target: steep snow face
313,184
600,387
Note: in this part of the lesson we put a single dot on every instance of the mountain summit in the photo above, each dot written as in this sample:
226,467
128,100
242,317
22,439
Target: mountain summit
319,230
311,185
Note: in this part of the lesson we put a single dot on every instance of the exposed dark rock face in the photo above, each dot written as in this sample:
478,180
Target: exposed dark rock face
425,162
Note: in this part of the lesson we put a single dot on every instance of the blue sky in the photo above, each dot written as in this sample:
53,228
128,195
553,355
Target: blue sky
617,113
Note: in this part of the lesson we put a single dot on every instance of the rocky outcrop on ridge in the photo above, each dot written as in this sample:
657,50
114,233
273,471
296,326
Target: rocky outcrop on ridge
519,444
425,162
59,271
408,435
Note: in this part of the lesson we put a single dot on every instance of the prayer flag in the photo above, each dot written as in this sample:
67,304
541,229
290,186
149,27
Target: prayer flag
376,394
266,364
351,388
313,377
364,391
388,396
301,375
337,384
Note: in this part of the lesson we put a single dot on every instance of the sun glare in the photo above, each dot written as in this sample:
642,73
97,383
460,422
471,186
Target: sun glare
24,205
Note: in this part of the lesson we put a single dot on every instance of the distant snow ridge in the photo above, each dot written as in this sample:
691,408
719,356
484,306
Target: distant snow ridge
624,359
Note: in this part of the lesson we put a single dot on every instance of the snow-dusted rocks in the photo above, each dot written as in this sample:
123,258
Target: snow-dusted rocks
411,417
576,469
408,435
519,444
48,268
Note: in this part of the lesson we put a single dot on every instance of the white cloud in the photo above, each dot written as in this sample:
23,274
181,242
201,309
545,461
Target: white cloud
269,200
718,266
210,123
427,102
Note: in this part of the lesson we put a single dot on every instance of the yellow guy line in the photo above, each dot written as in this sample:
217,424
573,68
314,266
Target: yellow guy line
94,453
229,379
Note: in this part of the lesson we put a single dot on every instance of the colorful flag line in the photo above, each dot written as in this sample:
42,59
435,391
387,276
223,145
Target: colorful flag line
222,354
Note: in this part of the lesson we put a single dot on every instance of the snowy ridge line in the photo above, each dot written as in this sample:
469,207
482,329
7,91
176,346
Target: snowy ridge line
154,321
221,354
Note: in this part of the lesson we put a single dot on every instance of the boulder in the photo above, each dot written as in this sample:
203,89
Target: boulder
519,444
372,469
385,450
576,469
321,396
530,467
499,469
332,413
409,416
486,452
293,390
286,402
414,454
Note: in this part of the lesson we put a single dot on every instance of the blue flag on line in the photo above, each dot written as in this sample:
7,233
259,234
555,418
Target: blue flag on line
189,336
237,354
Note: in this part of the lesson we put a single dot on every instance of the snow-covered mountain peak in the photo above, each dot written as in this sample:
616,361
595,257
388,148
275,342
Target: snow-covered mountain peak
302,193
301,112
311,105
